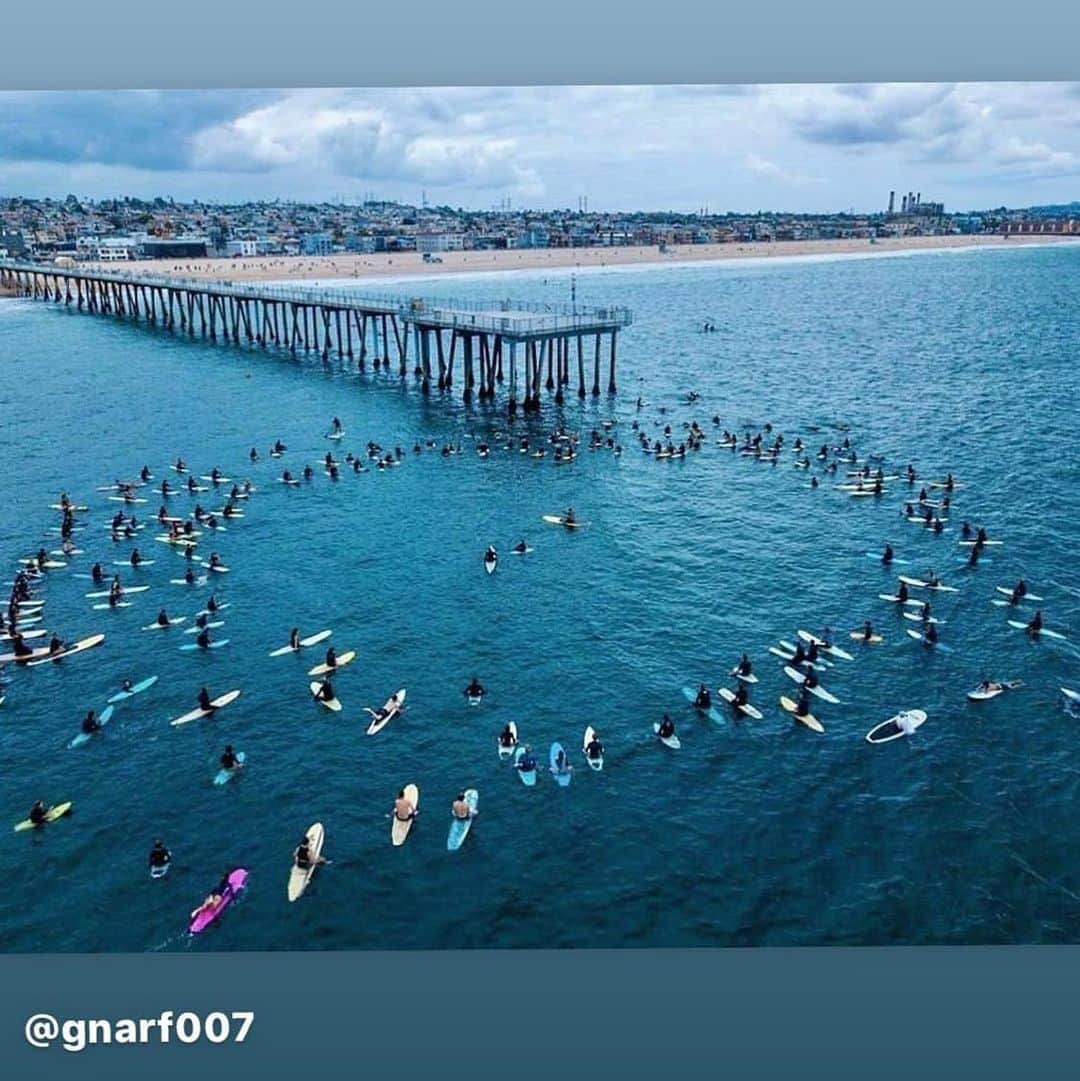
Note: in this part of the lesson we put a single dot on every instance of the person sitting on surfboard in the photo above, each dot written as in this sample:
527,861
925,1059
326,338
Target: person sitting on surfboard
202,639
802,706
1019,592
569,518
204,699
404,811
704,699
294,638
526,763
90,723
902,592
37,813
229,760
163,618
459,808
490,555
667,727
744,667
887,555
931,634
160,856
741,696
125,685
308,472
56,643
474,689
326,691
594,748
331,658
507,737
867,631
1036,623
521,546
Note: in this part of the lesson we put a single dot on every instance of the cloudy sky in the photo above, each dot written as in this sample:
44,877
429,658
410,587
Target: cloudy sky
741,148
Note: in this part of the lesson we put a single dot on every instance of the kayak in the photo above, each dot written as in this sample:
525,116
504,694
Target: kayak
203,917
528,776
399,830
136,688
808,719
594,763
70,651
507,749
223,775
332,704
215,704
903,724
459,827
390,709
671,741
691,696
311,640
343,659
565,774
300,877
84,737
57,810
981,695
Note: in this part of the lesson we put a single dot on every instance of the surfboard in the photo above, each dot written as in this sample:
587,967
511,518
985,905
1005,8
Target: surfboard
833,651
173,621
133,566
220,702
209,626
980,695
399,830
26,658
136,688
555,519
1026,597
192,646
986,543
215,480
876,557
343,659
391,708
594,763
216,568
929,645
818,692
70,651
5,637
528,777
691,696
748,678
873,640
160,872
311,640
1072,696
223,776
46,564
916,583
807,719
564,775
459,827
203,918
85,737
334,704
506,750
671,741
491,564
126,589
1018,624
521,551
58,810
891,729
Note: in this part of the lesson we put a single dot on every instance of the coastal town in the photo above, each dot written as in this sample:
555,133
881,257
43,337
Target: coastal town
128,229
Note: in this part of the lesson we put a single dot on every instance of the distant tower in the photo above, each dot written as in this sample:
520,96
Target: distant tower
918,198
903,205
892,201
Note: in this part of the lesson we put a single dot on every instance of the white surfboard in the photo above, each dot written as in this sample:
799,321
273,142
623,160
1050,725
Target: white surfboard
299,878
399,830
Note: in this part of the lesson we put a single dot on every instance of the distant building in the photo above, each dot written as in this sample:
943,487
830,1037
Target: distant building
316,244
433,242
178,247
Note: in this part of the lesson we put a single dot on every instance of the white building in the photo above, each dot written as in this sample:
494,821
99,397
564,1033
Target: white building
431,242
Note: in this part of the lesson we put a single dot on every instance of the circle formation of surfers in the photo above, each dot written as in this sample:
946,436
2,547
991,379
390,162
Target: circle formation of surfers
803,660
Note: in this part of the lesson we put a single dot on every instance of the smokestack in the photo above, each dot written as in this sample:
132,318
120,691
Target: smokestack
892,201
918,198
903,205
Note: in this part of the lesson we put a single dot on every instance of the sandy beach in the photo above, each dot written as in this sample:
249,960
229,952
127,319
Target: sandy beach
279,268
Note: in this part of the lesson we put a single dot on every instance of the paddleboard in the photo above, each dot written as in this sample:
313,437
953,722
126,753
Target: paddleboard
459,827
70,651
564,775
203,918
217,703
58,810
400,830
334,704
807,719
223,776
392,707
85,737
506,750
671,741
528,777
136,688
594,763
343,659
891,729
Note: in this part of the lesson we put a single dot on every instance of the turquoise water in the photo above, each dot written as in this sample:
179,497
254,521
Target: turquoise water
752,833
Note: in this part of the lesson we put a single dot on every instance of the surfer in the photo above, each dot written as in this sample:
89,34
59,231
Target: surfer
521,547
1036,624
90,723
561,765
214,898
594,749
202,639
867,631
902,593
802,706
1018,593
703,701
667,727
38,813
160,856
212,604
204,700
336,425
189,577
331,658
526,763
294,638
253,455
744,667
325,692
507,737
475,691
742,696
569,518
490,556
887,555
404,811
460,809
930,635
163,618
125,686
97,574
229,761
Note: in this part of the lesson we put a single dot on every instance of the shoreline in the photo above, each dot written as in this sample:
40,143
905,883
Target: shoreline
402,265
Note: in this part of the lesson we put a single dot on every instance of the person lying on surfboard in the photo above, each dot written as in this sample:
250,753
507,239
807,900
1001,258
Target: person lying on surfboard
213,899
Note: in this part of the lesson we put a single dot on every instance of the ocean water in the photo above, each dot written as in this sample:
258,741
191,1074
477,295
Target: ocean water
753,833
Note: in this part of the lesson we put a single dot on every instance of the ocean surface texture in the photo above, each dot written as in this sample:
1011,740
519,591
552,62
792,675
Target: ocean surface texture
753,833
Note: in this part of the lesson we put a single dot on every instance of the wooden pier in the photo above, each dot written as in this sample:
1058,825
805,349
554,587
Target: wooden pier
526,347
